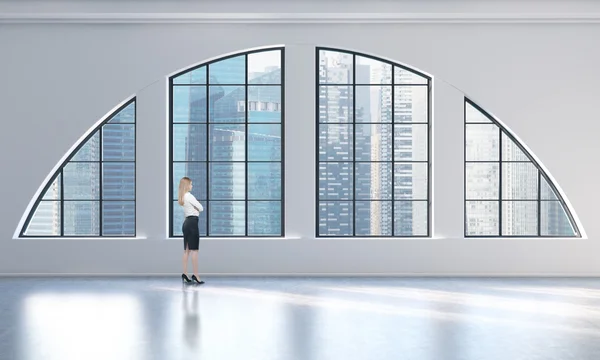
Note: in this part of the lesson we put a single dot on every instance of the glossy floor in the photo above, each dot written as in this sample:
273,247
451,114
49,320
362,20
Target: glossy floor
299,318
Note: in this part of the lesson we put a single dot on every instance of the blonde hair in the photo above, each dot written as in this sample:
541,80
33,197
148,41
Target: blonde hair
184,187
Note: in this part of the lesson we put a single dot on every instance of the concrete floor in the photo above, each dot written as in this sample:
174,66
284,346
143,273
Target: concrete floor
299,318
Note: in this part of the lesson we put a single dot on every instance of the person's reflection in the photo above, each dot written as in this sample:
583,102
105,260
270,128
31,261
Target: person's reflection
191,321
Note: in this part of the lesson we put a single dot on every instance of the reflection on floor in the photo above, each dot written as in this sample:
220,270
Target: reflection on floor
299,318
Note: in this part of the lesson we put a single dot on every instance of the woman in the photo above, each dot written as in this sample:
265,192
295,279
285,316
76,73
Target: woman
191,234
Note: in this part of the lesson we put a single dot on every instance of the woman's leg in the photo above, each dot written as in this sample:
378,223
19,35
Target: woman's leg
186,252
195,262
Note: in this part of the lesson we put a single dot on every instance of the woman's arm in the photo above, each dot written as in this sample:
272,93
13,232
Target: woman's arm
195,203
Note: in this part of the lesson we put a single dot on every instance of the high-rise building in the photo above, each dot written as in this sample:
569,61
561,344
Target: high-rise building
244,125
358,146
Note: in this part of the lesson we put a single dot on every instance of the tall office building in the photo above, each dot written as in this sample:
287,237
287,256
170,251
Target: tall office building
95,188
369,143
230,144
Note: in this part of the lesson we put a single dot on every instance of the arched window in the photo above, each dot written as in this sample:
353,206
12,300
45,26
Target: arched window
226,121
373,160
507,193
92,193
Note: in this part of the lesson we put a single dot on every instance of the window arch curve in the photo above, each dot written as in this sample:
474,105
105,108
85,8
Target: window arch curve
91,193
226,134
507,191
373,147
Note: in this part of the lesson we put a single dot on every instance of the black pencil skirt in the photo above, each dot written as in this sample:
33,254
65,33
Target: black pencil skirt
191,234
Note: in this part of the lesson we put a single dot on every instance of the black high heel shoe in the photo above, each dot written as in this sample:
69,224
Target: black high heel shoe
186,279
195,280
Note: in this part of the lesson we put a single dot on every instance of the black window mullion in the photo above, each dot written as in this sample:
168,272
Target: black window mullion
208,199
100,181
465,224
393,151
62,204
429,127
317,142
354,144
171,172
500,182
246,137
539,204
282,127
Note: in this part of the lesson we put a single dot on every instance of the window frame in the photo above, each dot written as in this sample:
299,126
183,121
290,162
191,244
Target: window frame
429,86
246,108
541,174
59,173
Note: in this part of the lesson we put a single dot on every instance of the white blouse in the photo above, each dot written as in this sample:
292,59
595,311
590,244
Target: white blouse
190,204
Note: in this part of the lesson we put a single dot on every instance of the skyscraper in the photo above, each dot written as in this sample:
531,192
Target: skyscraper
234,159
365,152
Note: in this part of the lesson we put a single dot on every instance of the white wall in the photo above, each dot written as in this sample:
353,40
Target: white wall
539,79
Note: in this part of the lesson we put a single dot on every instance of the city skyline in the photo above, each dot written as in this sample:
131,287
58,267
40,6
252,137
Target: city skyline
93,192
228,128
373,148
372,166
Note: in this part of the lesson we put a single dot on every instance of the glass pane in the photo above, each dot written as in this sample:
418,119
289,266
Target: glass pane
335,67
547,193
335,142
264,181
411,104
410,181
82,218
227,218
53,192
519,181
227,104
227,181
373,104
227,142
189,142
336,104
264,104
127,115
370,184
373,218
519,218
118,142
554,220
228,71
90,151
373,142
410,218
482,218
118,218
81,181
335,218
411,142
264,142
510,150
473,115
118,181
196,76
336,181
196,172
178,218
189,104
264,67
482,142
264,218
371,71
403,76
45,220
482,181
